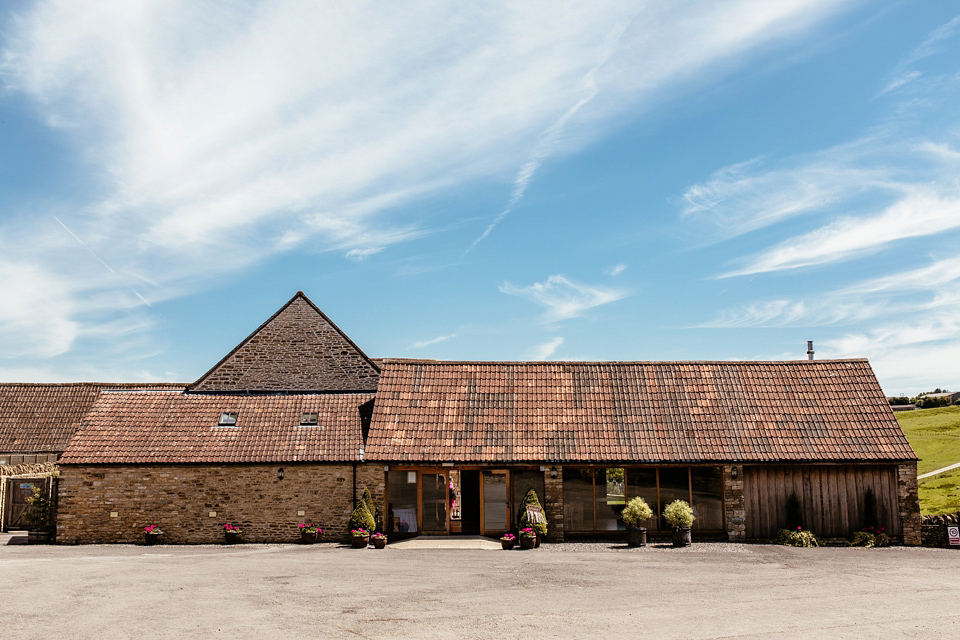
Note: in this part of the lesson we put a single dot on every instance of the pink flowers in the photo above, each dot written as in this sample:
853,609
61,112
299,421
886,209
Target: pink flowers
153,529
310,528
508,536
359,533
232,528
527,532
379,536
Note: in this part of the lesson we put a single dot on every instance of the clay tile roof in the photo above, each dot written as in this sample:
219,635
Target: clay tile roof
297,349
176,427
633,412
41,418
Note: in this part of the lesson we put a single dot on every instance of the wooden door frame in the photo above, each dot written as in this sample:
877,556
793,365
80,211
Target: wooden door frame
445,471
483,515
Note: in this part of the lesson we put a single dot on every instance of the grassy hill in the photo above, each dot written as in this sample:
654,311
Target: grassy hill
935,435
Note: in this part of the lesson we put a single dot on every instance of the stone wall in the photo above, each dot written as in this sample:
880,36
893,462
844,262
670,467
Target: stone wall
553,504
298,349
734,508
112,503
909,500
934,530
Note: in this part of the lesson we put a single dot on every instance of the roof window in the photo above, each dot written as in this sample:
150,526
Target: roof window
308,419
228,419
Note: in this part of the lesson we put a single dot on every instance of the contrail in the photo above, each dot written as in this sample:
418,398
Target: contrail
551,136
93,253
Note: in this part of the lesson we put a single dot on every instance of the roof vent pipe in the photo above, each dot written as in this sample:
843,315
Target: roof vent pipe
809,349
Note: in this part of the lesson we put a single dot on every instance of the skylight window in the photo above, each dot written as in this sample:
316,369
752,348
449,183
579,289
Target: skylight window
308,419
228,419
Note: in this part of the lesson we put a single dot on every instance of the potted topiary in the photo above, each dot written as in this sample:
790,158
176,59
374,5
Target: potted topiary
528,538
636,512
359,538
152,534
680,516
232,534
361,518
309,532
379,540
523,516
508,541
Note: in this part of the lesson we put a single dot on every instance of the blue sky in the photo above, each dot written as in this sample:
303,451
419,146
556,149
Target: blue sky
564,181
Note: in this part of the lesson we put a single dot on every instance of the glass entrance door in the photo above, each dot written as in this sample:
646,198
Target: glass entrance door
496,509
433,502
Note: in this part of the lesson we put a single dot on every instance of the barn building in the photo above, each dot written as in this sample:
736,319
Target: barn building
293,424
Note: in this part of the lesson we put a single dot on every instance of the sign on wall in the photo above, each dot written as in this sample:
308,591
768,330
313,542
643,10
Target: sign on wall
953,533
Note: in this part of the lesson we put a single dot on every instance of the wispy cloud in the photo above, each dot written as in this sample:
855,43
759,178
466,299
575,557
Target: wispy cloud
220,137
918,214
616,270
427,343
545,350
562,298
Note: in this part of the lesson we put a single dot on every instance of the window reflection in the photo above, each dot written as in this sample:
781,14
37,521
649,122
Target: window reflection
402,501
577,499
610,485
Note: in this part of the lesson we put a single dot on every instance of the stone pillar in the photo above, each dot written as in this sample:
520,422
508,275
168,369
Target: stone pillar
734,509
553,503
909,502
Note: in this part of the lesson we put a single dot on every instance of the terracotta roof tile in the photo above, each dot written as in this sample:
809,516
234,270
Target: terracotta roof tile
37,418
632,411
175,427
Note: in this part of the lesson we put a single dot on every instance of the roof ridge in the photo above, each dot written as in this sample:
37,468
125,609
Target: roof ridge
604,362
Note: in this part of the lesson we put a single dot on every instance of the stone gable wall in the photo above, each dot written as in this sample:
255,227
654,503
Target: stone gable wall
181,498
296,351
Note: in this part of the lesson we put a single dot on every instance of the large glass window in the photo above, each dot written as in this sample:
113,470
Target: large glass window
610,487
674,485
707,497
402,501
643,483
577,499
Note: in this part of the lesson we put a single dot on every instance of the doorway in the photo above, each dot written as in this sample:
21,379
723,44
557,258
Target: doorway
470,502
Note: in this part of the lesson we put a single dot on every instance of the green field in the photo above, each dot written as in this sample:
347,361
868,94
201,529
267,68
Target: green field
935,435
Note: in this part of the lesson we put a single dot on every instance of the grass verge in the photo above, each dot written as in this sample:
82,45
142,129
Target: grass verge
935,436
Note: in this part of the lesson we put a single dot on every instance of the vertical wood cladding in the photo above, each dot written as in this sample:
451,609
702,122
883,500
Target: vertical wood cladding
180,499
831,498
299,349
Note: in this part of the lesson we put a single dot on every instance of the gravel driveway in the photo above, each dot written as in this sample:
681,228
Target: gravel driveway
574,590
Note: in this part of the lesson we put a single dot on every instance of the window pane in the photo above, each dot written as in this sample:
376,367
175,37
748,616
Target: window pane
523,481
707,497
402,501
494,501
674,485
433,487
643,483
577,499
610,502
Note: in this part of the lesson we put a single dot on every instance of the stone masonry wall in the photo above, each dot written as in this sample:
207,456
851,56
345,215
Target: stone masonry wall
934,530
553,504
112,503
909,500
734,508
297,350
373,477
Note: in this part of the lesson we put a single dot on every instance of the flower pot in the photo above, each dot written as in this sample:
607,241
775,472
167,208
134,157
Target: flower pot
308,537
379,543
150,539
507,545
358,542
681,537
537,541
231,537
637,537
527,543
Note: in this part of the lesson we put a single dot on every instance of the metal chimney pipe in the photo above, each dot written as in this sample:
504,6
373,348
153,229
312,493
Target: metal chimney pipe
809,349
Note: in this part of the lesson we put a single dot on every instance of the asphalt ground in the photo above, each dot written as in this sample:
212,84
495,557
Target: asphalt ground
573,590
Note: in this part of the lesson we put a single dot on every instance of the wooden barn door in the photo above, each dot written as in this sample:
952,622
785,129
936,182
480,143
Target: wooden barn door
18,490
831,498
